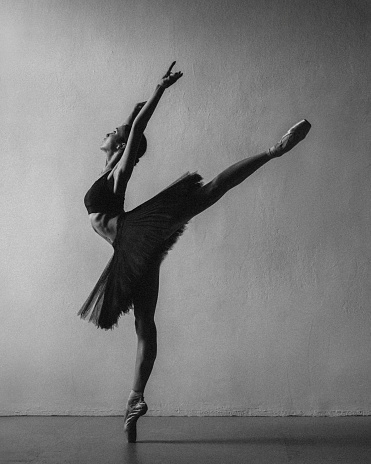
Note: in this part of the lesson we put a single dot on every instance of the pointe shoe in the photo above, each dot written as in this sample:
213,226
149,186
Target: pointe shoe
294,135
132,415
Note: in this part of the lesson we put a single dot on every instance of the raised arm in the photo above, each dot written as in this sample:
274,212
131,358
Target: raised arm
130,119
124,167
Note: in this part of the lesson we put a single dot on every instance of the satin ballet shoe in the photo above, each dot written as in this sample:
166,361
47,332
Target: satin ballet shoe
132,415
292,137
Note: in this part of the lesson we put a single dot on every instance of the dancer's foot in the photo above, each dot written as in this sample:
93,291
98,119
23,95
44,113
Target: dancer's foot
295,135
132,414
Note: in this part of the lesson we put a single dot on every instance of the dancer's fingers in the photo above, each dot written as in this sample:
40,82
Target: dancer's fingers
169,70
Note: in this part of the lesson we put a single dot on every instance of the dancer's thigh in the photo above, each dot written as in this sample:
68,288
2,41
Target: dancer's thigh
145,299
206,196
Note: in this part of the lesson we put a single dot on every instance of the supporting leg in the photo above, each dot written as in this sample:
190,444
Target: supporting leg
146,352
144,311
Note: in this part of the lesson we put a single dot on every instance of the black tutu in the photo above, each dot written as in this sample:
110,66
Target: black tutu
144,236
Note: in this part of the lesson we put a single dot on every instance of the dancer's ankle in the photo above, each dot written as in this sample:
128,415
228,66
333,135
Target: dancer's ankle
134,397
272,153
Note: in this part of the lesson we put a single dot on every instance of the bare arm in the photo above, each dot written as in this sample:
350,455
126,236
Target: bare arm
124,167
130,119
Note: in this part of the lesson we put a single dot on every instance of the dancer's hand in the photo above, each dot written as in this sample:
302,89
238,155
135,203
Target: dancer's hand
170,78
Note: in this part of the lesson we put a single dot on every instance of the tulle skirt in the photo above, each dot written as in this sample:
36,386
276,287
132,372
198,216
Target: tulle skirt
144,236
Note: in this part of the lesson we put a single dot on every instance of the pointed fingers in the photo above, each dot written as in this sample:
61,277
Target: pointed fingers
171,67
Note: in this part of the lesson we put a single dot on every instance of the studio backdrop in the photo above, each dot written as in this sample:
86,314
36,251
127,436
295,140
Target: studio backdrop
264,304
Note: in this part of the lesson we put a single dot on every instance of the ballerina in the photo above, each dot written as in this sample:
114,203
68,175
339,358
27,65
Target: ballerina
142,237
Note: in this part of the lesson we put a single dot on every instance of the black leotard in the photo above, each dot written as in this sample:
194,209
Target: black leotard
100,199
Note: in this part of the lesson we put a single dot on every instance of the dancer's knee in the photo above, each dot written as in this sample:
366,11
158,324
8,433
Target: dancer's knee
147,340
146,328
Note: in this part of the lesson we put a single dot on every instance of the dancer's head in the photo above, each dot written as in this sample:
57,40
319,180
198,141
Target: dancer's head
117,140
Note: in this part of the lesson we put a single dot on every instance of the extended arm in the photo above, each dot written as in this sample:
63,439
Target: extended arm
130,119
124,167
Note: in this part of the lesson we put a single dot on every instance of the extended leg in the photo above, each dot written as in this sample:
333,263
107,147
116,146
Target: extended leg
241,170
236,174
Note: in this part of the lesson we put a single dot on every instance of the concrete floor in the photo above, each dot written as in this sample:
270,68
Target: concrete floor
190,440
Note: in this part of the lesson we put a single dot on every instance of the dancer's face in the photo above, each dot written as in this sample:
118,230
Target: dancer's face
112,140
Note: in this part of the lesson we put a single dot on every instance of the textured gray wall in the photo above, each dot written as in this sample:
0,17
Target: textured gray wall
265,301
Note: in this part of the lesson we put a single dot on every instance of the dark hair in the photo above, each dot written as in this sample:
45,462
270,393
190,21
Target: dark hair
142,146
